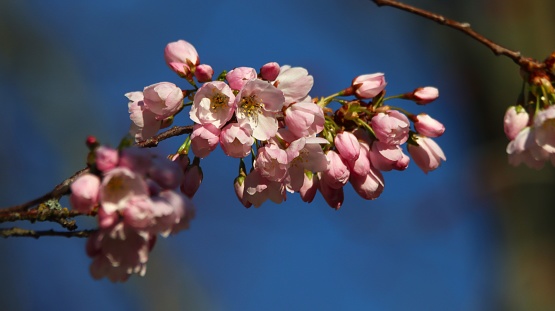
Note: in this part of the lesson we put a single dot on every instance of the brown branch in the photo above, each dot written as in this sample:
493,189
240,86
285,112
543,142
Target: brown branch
63,188
20,232
60,216
526,63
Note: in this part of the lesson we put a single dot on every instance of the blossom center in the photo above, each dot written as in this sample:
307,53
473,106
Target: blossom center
218,101
250,106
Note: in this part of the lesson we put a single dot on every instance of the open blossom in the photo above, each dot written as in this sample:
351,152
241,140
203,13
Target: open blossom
272,162
369,85
257,105
163,98
294,82
391,127
304,154
144,123
525,149
239,76
516,119
427,154
544,123
118,252
180,56
259,189
119,186
214,103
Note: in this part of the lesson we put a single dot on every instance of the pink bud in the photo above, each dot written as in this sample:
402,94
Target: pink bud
204,139
426,154
369,85
334,197
270,71
192,180
239,185
239,76
337,173
84,193
516,118
425,95
368,186
180,55
309,187
391,127
165,173
428,126
204,73
348,146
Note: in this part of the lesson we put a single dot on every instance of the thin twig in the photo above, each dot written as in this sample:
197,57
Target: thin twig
60,216
526,63
20,232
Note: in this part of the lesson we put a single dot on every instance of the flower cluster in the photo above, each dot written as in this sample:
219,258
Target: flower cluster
530,125
297,143
132,193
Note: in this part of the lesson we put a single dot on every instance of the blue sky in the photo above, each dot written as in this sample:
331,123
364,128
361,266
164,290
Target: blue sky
428,243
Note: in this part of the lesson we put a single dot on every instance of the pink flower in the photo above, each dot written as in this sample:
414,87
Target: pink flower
236,141
425,95
163,98
138,160
214,103
270,71
84,193
361,166
106,158
167,174
368,186
272,162
239,76
118,186
544,124
347,145
386,157
516,119
525,149
369,85
239,186
333,196
337,173
304,154
169,209
257,105
118,252
427,126
295,83
304,119
192,180
181,56
259,189
426,154
145,124
391,127
204,73
204,139
310,187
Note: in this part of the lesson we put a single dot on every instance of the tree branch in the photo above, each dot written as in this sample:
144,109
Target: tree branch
526,63
63,188
20,232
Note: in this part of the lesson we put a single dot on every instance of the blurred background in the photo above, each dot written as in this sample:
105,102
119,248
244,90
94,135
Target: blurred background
476,234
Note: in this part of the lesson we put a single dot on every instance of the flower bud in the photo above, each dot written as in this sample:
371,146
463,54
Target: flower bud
204,139
204,73
84,193
192,180
428,126
516,118
270,71
309,187
424,95
163,99
106,158
239,185
368,86
426,153
239,76
348,146
180,56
